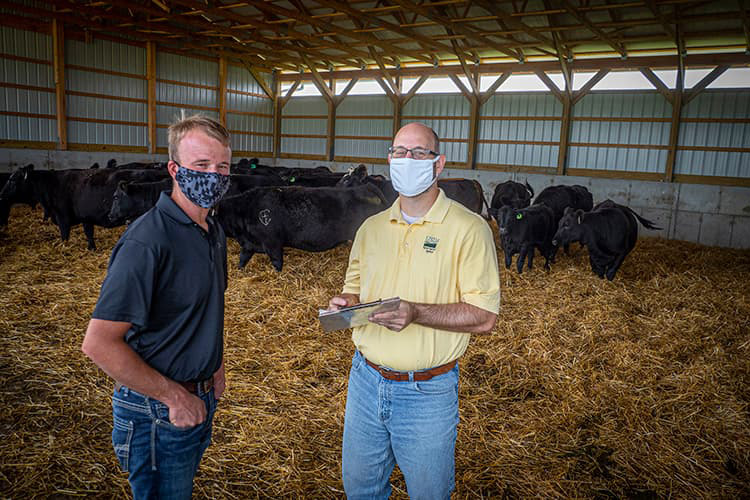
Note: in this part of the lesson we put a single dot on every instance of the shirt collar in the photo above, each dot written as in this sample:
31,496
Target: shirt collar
167,205
436,214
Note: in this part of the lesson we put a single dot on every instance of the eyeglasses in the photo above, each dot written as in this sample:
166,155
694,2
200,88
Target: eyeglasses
416,153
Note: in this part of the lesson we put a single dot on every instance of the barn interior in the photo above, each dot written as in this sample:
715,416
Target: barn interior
634,388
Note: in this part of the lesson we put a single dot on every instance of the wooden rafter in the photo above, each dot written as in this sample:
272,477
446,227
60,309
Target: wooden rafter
654,8
384,72
705,82
366,17
513,21
346,90
550,84
581,93
318,80
492,88
413,90
422,10
461,86
581,17
745,23
656,82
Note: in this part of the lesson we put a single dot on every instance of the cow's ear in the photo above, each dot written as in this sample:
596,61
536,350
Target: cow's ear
579,215
567,210
123,186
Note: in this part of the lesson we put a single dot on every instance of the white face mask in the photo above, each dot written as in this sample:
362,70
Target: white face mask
412,177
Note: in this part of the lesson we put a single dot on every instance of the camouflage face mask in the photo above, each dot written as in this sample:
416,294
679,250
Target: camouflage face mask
205,189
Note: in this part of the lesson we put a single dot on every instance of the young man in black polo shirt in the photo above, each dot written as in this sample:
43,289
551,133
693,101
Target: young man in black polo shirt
158,326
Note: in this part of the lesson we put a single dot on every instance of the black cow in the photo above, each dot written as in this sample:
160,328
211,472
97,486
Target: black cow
558,198
467,192
610,232
112,163
267,219
72,197
523,230
14,191
513,194
133,199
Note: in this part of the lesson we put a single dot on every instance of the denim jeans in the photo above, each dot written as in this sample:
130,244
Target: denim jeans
409,423
161,459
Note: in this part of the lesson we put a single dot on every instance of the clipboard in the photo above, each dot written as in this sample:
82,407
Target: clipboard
349,317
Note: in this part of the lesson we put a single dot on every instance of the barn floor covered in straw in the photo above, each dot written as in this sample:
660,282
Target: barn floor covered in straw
636,388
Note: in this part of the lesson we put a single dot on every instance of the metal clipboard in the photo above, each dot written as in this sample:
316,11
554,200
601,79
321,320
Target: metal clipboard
349,317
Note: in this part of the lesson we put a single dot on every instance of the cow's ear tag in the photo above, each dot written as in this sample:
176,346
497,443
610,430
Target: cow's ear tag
291,179
579,219
253,166
519,216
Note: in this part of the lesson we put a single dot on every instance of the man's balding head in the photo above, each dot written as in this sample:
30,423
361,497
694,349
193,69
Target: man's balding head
417,134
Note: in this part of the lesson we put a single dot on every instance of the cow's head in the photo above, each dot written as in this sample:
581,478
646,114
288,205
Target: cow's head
569,229
354,177
122,204
503,216
18,186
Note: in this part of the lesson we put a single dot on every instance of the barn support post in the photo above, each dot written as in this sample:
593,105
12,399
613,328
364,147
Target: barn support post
331,130
223,90
151,82
58,62
562,153
674,134
471,155
277,107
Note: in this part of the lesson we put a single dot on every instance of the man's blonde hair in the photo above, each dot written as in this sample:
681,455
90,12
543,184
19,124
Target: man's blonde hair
207,125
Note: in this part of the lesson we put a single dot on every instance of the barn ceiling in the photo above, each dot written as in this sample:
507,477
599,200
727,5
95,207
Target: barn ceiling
297,35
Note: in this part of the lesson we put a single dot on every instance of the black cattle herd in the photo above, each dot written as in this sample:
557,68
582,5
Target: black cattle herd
270,207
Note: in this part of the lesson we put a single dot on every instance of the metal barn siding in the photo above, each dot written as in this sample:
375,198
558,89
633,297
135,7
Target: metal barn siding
109,56
304,106
618,106
35,46
456,107
726,105
103,54
241,80
187,69
370,107
535,105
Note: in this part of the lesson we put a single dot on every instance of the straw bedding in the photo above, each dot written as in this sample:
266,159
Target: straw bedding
636,388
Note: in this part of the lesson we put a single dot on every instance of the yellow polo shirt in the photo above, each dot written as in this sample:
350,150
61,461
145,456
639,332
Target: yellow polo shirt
446,257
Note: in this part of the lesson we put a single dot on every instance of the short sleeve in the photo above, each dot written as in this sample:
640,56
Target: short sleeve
479,276
352,281
129,286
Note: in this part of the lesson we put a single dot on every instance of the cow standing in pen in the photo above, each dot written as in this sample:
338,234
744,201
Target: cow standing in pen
610,232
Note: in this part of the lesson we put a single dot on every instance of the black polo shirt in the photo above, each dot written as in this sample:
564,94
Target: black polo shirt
167,276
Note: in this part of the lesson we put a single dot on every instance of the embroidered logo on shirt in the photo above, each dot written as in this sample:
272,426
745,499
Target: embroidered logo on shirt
265,217
430,244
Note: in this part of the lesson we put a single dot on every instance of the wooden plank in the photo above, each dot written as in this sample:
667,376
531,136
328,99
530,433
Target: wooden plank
27,87
188,106
522,118
249,132
360,159
251,94
306,136
307,117
108,97
495,85
187,84
331,130
705,82
107,147
257,154
656,82
364,137
615,174
716,120
58,65
104,71
617,145
108,122
288,95
461,86
398,107
14,57
249,113
363,117
345,92
317,79
436,117
516,168
223,91
646,119
151,91
8,144
718,149
713,180
28,115
581,93
299,156
412,91
260,81
550,84
674,133
527,143
562,152
278,105
471,153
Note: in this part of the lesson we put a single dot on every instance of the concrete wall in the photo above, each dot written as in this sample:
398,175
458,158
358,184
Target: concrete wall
711,215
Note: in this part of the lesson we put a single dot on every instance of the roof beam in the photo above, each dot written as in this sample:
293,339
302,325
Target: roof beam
705,82
550,85
318,80
513,21
269,7
581,93
425,12
581,17
396,28
667,27
745,23
485,96
656,82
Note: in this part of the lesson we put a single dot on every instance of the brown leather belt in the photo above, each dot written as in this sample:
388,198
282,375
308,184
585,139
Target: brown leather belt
418,376
193,387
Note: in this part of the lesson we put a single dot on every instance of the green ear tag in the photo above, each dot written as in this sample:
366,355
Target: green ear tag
253,165
519,216
291,179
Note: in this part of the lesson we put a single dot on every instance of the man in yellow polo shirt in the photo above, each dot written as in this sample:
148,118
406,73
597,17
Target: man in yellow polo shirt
440,258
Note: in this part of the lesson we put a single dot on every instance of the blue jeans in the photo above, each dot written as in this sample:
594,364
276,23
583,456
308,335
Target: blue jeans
409,423
160,458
